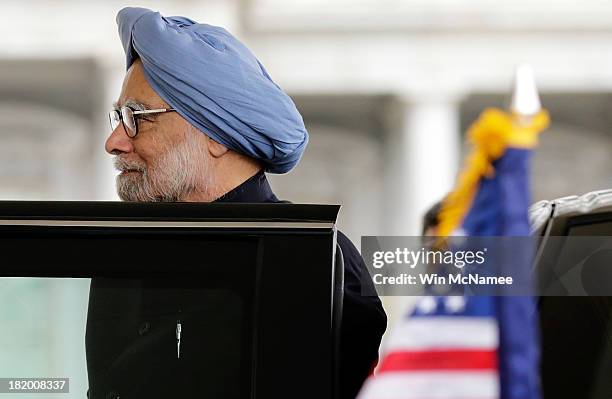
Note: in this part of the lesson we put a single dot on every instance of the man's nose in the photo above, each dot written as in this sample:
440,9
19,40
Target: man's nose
118,142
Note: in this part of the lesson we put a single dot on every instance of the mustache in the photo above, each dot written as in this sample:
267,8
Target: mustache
124,165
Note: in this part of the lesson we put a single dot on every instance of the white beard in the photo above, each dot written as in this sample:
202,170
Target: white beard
181,170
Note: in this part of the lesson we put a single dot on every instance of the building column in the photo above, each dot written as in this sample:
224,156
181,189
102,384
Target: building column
425,156
422,153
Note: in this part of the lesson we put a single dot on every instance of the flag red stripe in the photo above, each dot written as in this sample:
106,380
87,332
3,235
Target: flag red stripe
440,360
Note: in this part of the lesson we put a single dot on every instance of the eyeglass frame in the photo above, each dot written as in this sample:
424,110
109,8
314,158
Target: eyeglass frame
119,112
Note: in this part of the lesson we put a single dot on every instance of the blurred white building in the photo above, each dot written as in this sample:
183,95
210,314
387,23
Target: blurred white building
386,87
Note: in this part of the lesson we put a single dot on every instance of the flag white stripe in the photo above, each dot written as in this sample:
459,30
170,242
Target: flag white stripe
440,332
432,385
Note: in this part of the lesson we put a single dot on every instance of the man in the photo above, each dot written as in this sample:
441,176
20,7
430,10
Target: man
200,120
431,220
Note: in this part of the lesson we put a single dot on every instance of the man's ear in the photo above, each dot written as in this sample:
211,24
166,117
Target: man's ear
216,149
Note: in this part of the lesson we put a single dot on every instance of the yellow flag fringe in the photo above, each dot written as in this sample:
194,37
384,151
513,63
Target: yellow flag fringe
493,132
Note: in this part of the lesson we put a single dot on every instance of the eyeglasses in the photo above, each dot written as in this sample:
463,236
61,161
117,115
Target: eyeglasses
127,116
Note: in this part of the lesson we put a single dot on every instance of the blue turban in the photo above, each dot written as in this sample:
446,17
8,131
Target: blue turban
217,84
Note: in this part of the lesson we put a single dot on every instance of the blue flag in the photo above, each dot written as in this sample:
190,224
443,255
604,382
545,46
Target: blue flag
475,346
499,207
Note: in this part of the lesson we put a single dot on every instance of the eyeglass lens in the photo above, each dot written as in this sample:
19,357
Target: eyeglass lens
127,117
114,119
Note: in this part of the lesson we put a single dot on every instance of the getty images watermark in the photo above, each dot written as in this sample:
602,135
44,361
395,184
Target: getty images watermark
412,258
499,266
465,265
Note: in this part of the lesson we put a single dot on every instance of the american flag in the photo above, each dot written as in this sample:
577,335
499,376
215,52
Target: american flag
446,348
477,347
